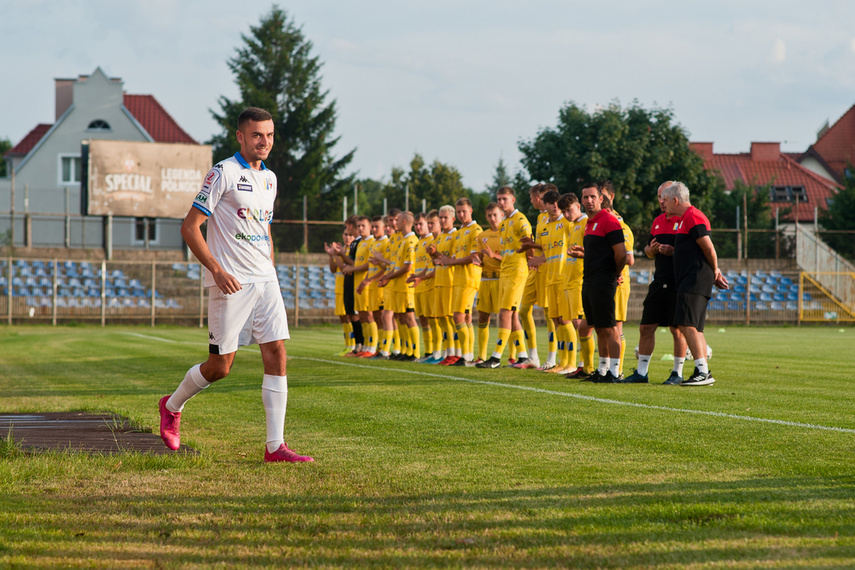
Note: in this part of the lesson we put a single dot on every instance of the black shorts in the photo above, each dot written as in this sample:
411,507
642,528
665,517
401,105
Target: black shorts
691,310
348,299
598,302
659,304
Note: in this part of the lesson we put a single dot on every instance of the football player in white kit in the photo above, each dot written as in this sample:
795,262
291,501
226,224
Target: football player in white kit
245,305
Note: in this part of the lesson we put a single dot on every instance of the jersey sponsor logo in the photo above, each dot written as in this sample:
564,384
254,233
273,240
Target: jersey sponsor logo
243,179
219,165
244,187
252,214
201,197
240,236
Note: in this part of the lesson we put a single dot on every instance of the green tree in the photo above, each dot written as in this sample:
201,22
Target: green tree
5,145
275,70
636,148
500,178
437,184
839,218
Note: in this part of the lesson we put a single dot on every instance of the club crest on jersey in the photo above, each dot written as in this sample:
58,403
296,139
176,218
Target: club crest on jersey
268,184
595,226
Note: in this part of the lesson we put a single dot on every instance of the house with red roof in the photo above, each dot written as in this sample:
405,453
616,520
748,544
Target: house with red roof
793,186
48,160
834,149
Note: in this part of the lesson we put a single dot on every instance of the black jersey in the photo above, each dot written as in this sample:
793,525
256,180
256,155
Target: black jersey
692,271
602,232
664,231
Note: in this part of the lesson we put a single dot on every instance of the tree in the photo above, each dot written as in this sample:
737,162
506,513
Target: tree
500,178
636,148
5,145
755,212
839,218
437,184
275,70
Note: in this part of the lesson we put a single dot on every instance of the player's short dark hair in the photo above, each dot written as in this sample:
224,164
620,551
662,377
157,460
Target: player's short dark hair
607,187
550,197
433,214
463,201
351,220
550,187
594,185
567,200
253,114
536,189
506,190
394,212
376,219
363,219
491,206
420,216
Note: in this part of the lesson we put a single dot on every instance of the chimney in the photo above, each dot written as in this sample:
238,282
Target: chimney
765,151
705,149
64,95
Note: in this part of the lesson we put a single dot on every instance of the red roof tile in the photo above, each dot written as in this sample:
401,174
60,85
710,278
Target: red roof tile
836,145
29,141
154,119
782,171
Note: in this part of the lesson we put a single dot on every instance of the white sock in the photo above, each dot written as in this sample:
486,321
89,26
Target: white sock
614,366
643,363
678,365
522,354
274,396
605,363
532,354
437,354
701,365
192,384
550,358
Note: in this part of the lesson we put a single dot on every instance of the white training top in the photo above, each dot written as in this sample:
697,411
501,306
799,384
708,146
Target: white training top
239,204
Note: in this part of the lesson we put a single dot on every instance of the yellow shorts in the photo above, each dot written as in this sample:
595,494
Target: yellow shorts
463,298
621,302
442,301
421,302
488,296
360,300
574,303
556,302
529,295
339,305
511,289
404,300
376,296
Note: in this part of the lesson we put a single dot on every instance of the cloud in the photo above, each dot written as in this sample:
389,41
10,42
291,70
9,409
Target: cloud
779,51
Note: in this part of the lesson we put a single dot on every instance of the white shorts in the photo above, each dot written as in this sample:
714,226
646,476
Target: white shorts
253,315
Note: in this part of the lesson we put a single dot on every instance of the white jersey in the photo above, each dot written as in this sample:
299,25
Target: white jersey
239,204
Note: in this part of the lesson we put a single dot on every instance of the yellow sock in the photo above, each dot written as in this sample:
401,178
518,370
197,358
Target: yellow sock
436,335
470,331
463,335
427,338
570,344
586,343
448,339
502,341
550,328
414,341
404,331
527,322
518,340
348,334
396,339
371,339
483,340
622,351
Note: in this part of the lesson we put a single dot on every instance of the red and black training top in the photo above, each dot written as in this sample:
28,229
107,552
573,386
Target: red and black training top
664,230
601,233
692,271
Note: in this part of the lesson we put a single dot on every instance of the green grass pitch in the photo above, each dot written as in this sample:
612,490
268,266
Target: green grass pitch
431,466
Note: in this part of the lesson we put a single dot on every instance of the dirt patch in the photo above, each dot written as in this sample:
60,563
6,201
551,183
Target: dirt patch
81,432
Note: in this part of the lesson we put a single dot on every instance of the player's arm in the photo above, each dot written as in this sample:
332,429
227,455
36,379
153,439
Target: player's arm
270,241
191,231
708,249
619,250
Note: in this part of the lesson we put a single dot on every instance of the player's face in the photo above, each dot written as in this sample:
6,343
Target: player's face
346,238
552,210
536,201
377,229
421,227
464,213
592,200
256,140
446,222
433,225
573,211
392,225
661,200
495,217
506,203
364,228
671,207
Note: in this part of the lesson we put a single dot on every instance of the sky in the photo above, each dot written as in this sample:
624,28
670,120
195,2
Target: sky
461,81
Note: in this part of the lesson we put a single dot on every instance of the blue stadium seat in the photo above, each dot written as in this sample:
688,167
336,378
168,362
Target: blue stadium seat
717,305
786,281
734,306
791,306
779,297
760,306
793,297
767,297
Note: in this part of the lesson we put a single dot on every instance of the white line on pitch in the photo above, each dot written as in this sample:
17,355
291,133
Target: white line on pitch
588,398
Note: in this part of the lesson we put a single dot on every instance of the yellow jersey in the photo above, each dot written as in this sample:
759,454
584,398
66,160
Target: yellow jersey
405,255
513,229
466,243
363,252
573,267
423,262
490,267
444,244
555,250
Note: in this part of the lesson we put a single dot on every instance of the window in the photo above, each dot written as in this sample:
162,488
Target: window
787,194
99,125
69,169
143,225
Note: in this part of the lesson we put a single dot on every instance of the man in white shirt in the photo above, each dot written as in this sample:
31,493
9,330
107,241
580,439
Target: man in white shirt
245,305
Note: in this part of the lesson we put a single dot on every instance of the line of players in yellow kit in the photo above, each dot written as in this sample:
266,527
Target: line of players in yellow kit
412,272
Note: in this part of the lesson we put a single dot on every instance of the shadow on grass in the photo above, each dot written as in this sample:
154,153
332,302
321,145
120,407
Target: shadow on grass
745,522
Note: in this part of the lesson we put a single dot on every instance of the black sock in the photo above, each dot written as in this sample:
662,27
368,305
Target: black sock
357,333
